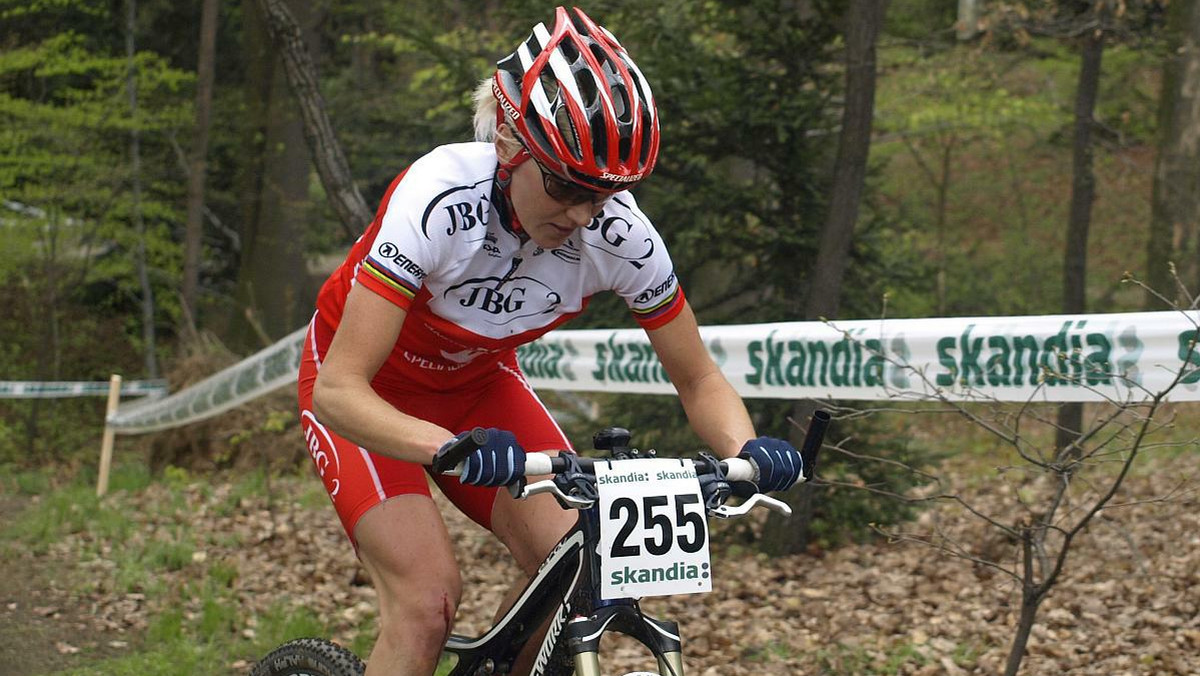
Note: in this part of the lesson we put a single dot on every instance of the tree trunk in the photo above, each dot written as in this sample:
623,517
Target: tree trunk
941,218
135,157
967,26
1175,211
274,294
863,21
1083,193
1032,595
327,153
850,168
198,162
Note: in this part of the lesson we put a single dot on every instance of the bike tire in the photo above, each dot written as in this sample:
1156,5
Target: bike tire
309,657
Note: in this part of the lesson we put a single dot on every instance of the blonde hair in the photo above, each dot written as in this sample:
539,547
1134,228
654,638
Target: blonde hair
486,129
485,111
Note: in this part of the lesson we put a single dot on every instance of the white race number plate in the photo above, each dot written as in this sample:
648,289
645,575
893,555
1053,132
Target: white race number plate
653,532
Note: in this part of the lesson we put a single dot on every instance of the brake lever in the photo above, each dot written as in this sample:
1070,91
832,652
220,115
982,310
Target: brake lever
756,500
548,486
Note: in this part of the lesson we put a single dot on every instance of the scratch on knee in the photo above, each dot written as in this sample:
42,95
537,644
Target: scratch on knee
447,615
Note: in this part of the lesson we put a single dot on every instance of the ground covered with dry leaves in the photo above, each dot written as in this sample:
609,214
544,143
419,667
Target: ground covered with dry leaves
1129,603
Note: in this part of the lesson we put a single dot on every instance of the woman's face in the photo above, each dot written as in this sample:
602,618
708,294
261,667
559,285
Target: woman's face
549,221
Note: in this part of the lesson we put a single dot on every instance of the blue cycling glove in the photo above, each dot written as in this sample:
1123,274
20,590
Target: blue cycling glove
498,462
778,463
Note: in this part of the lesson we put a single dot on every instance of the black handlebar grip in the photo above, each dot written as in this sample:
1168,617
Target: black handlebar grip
812,441
447,458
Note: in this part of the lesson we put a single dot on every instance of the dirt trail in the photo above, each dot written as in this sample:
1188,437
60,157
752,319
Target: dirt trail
43,628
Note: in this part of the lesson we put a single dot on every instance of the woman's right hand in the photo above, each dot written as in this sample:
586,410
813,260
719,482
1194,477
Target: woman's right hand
778,464
498,461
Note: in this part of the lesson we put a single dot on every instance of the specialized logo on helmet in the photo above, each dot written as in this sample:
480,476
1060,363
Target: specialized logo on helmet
617,178
507,105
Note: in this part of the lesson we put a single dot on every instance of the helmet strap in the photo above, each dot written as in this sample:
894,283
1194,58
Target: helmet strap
504,174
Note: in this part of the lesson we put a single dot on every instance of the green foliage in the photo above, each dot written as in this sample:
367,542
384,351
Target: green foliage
201,633
739,184
852,659
280,624
957,96
68,207
405,81
923,21
71,509
276,423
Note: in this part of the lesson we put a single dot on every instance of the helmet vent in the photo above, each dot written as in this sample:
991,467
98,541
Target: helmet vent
577,21
647,136
562,120
599,137
624,146
621,104
549,85
587,89
567,49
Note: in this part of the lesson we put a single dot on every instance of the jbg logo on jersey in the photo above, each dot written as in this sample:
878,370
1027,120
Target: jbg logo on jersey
512,299
619,233
495,302
469,209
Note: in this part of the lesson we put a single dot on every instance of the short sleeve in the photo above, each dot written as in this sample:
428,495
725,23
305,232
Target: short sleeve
648,282
402,255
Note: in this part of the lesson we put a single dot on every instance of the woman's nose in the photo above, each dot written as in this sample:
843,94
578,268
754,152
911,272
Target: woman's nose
580,215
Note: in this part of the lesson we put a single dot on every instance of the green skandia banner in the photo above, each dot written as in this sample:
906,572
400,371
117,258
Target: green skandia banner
1117,357
1107,357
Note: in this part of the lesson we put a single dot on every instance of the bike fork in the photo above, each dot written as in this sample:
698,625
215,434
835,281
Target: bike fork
662,638
588,664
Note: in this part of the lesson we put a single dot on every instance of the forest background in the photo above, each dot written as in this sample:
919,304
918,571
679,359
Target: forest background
151,197
162,214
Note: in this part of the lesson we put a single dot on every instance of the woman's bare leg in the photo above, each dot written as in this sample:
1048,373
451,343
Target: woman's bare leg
404,546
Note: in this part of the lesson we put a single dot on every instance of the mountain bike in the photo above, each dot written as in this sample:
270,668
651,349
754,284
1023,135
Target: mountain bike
642,531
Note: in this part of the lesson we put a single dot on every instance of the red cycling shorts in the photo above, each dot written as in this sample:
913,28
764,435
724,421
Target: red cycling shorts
357,479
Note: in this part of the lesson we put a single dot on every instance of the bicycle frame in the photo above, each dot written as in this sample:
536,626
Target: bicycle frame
566,590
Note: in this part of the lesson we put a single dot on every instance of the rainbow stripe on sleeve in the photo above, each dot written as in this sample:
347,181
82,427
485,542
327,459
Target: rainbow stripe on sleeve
389,279
659,314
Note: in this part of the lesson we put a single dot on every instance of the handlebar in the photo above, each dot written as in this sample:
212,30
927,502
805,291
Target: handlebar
734,469
812,441
449,460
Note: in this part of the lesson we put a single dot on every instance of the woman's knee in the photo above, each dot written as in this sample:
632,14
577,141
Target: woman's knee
418,615
416,576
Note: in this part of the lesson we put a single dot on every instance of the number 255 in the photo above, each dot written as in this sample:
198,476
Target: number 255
654,520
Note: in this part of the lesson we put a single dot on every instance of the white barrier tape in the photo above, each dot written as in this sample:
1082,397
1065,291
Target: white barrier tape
254,376
1060,358
17,389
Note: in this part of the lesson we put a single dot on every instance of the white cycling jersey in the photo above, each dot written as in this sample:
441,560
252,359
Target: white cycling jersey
438,248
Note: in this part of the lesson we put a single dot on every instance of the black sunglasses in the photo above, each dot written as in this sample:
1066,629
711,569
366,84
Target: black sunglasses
565,192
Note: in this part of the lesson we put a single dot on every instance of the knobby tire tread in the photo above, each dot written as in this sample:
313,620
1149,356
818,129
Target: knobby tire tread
309,657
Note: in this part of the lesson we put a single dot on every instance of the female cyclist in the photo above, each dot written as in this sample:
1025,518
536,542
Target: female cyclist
478,248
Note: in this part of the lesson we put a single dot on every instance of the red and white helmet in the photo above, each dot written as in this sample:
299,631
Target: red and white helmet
579,103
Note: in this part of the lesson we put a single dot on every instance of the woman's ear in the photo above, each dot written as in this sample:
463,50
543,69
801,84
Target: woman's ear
507,145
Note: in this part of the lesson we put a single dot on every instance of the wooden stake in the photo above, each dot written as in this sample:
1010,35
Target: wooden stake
106,445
